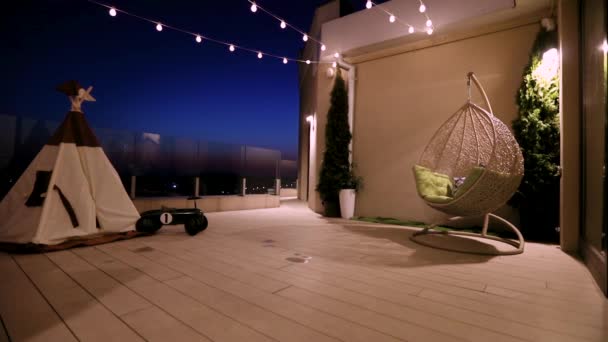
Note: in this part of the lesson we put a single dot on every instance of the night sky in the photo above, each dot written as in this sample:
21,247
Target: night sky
161,82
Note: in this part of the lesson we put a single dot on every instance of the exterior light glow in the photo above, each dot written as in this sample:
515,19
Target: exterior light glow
283,24
605,46
199,39
260,55
429,23
411,29
392,18
305,37
113,12
254,7
334,64
323,47
422,8
336,55
548,67
231,48
308,61
429,31
284,60
159,27
368,4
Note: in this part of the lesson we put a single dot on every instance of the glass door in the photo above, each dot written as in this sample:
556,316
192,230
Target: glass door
594,119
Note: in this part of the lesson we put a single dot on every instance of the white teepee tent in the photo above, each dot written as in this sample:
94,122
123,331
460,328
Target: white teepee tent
70,190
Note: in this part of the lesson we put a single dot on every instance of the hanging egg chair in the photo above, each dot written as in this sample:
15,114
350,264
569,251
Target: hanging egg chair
471,167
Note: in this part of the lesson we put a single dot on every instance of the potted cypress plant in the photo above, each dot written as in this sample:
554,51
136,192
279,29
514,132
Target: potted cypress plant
348,193
336,173
537,130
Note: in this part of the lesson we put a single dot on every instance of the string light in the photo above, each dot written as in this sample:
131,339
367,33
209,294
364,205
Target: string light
199,37
254,7
337,55
422,7
308,61
334,64
284,24
393,19
429,31
429,23
323,47
260,55
113,12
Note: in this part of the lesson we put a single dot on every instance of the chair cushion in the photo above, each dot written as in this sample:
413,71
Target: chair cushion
432,184
471,178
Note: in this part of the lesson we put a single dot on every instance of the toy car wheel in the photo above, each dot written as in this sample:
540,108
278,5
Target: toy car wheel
196,225
148,225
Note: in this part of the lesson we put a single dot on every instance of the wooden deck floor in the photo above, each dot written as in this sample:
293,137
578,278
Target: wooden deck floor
288,275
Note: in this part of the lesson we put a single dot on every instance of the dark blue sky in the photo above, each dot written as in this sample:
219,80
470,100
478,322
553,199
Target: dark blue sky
158,82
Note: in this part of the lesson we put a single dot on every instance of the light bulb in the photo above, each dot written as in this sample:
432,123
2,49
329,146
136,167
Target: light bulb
308,61
411,29
260,55
429,31
422,8
254,7
305,37
605,46
429,23
199,39
283,24
159,27
231,48
284,60
392,18
336,55
368,4
334,64
323,47
113,11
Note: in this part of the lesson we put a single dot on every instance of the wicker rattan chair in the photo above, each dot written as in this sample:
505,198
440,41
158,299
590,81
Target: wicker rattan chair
474,141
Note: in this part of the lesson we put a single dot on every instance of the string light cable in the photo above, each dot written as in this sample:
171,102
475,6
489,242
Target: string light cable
392,18
284,24
199,38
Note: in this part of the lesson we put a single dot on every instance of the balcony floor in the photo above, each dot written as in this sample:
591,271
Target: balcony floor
245,279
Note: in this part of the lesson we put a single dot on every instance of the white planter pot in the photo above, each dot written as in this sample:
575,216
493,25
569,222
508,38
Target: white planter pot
347,203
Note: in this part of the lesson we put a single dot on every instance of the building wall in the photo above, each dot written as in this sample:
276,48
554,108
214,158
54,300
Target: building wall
401,100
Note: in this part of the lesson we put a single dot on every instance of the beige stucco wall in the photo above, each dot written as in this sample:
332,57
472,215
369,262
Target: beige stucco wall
402,99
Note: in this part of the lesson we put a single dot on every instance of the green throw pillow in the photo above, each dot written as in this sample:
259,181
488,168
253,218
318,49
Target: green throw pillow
432,185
